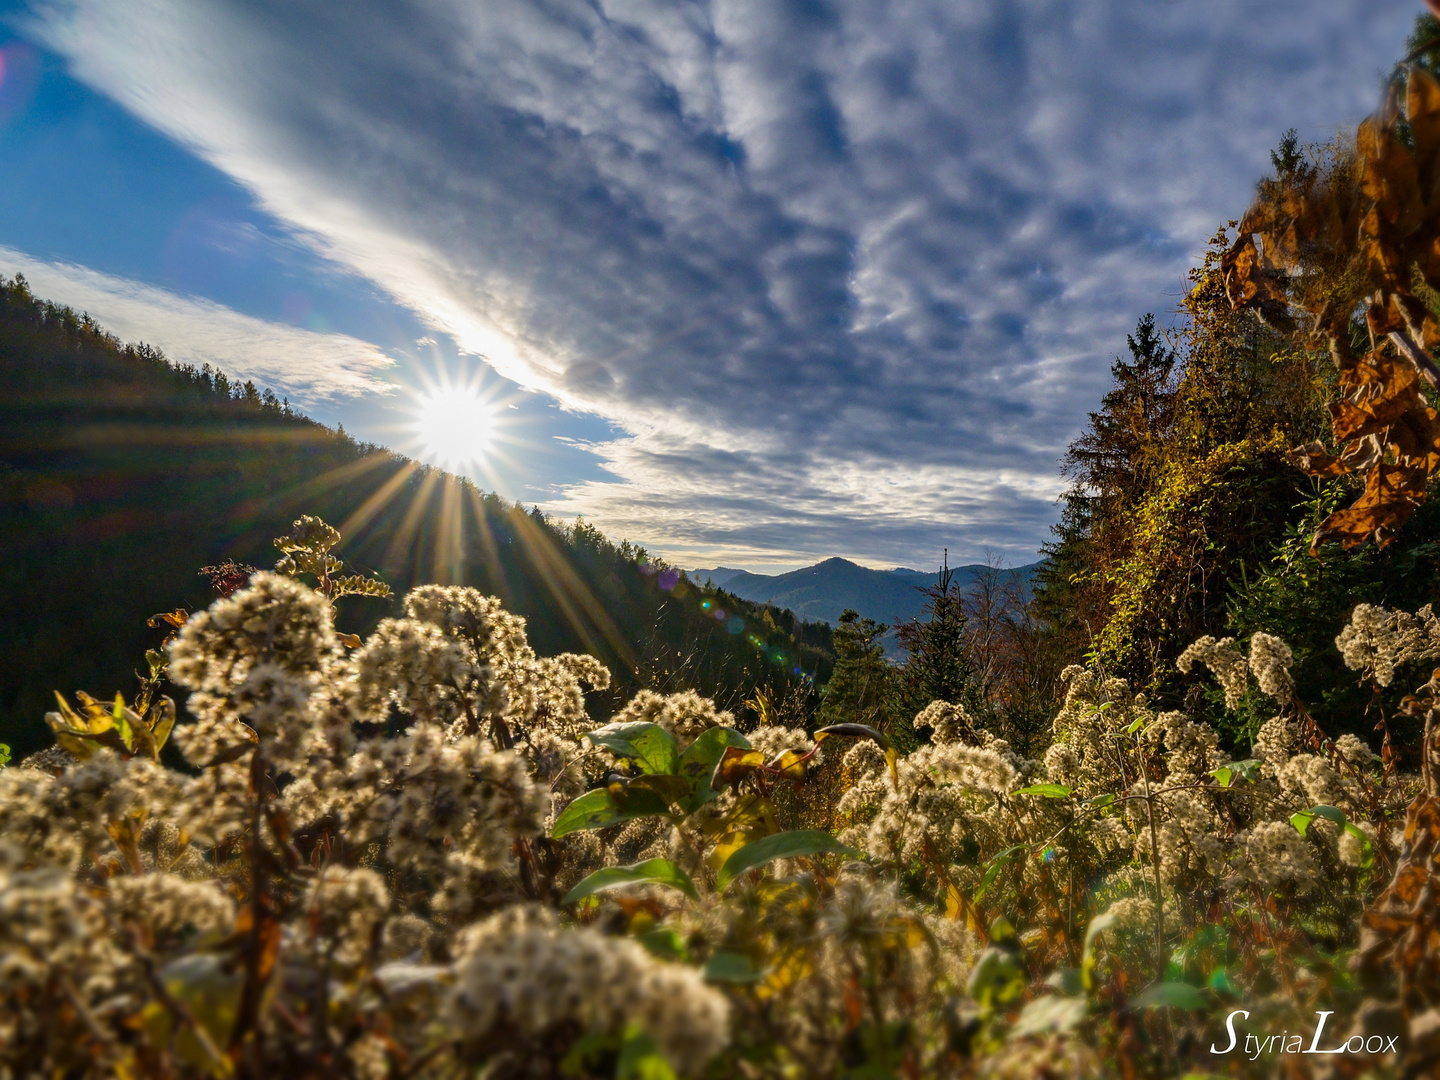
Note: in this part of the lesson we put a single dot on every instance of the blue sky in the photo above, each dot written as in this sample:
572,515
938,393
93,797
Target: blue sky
752,283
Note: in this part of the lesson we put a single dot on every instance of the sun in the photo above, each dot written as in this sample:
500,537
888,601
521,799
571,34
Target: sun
456,425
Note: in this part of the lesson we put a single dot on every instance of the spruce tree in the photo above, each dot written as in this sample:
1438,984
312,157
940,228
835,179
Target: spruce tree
862,689
937,665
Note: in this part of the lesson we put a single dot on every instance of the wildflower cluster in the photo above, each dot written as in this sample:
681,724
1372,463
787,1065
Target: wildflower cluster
302,849
418,855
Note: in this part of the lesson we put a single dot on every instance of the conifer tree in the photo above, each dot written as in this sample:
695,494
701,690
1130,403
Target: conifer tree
862,688
937,665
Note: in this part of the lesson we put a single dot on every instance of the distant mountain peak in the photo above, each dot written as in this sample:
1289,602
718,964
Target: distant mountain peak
824,590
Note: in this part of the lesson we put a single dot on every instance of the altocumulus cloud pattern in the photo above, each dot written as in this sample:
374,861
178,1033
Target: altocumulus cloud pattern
850,275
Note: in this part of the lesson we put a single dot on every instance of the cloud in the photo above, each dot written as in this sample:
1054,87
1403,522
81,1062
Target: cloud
792,511
798,249
307,366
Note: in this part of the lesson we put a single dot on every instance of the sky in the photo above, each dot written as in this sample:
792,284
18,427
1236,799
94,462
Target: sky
750,283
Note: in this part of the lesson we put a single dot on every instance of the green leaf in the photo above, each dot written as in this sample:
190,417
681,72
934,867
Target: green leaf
698,762
588,1051
1050,791
997,979
1220,981
993,867
1053,1012
1066,981
1226,775
1101,801
665,942
732,967
752,818
121,723
1249,768
651,871
210,990
648,745
598,809
1098,926
1176,995
4,754
1302,819
666,786
640,1060
162,722
784,845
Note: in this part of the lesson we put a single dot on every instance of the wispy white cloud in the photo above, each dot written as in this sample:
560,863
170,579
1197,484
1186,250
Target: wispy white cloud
790,510
307,366
800,249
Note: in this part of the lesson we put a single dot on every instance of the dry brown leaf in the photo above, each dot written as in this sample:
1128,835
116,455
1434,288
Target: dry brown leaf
1379,232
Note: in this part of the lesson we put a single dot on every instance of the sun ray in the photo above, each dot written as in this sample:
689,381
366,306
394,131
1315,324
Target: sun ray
569,590
410,524
489,551
298,496
449,538
378,500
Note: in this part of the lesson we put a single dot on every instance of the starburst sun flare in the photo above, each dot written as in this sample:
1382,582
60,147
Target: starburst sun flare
456,425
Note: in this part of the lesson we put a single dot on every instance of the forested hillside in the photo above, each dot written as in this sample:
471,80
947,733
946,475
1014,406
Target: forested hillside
121,475
1189,515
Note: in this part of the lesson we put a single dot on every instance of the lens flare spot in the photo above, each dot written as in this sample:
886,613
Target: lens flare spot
455,425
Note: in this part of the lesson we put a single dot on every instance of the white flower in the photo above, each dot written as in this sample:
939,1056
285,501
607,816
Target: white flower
519,970
1351,848
1356,751
949,723
1376,641
1275,853
1223,659
1270,660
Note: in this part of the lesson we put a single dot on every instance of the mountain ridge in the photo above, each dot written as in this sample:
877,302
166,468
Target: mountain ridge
822,591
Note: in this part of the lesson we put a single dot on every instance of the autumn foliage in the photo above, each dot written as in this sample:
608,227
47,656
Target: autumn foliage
1364,231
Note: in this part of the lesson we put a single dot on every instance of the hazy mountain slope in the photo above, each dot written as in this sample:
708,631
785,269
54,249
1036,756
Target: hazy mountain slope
717,576
121,475
823,591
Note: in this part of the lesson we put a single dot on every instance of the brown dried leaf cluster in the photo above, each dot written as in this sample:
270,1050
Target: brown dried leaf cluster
1400,932
1363,233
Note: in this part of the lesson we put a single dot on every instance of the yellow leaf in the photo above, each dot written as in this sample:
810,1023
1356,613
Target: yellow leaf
162,722
788,765
69,715
98,718
81,748
793,965
753,818
736,763
121,722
